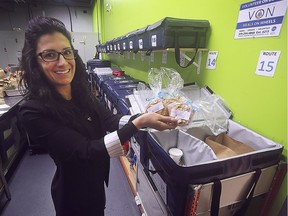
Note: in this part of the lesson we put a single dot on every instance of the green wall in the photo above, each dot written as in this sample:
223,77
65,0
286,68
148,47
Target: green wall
257,102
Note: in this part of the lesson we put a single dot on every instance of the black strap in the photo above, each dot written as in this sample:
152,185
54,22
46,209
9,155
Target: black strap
177,50
148,52
249,196
217,188
148,157
147,171
151,171
150,179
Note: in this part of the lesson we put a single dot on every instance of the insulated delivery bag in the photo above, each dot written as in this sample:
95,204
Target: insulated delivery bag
249,165
177,33
97,63
200,164
173,32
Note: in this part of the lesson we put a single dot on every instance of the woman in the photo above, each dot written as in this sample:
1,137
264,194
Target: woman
62,115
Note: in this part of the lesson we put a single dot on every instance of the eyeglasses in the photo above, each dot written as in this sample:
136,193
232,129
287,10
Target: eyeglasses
52,55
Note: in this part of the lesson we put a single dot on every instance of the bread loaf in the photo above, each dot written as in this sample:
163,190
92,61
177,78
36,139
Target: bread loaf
183,113
157,106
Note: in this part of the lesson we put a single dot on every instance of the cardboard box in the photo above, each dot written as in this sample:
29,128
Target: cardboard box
225,146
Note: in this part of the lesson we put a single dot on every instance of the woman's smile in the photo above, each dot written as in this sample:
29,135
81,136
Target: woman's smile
62,71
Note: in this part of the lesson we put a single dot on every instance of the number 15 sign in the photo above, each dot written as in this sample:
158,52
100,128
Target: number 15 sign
267,63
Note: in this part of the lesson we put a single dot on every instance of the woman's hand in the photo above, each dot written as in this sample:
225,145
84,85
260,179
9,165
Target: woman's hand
156,121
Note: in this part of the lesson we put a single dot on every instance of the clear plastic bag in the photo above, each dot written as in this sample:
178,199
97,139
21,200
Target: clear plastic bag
213,116
165,82
155,80
168,100
172,82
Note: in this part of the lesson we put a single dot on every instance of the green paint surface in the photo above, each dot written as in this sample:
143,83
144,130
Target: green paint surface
257,102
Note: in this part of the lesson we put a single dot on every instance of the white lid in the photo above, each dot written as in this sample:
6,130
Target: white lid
175,152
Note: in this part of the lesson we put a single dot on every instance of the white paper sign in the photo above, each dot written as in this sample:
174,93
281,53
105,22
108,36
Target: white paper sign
178,114
164,57
182,60
140,43
156,107
152,57
130,45
211,60
154,40
267,63
142,56
260,18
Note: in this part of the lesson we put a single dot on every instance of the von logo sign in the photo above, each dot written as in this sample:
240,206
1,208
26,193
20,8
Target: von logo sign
260,13
262,18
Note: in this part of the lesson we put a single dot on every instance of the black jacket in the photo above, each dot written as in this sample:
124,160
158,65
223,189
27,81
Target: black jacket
79,153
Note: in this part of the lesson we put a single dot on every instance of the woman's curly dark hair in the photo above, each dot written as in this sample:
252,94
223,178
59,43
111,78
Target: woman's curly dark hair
33,82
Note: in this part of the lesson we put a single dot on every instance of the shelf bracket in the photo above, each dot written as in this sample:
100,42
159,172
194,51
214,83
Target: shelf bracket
198,64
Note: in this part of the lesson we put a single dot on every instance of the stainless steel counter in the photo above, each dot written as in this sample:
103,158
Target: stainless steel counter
11,101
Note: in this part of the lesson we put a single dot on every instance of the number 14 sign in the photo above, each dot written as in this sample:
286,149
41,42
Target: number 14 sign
267,63
211,60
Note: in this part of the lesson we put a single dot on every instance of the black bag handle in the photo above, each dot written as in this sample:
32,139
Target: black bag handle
177,51
250,194
147,170
150,170
146,160
149,178
148,52
217,188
